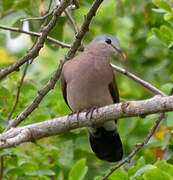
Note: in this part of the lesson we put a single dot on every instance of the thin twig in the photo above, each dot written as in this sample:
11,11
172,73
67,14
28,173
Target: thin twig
40,18
139,145
56,75
75,28
18,91
50,3
63,45
139,80
2,167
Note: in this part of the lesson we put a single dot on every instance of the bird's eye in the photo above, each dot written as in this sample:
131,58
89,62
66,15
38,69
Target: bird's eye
108,41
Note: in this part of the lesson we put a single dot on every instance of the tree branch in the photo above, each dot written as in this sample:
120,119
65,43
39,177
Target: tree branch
74,26
18,91
139,80
35,50
56,75
16,136
63,45
43,17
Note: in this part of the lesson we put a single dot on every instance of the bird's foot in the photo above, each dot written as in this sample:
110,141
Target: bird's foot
76,112
91,111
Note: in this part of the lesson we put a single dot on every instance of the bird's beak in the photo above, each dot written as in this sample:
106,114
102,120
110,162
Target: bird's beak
120,52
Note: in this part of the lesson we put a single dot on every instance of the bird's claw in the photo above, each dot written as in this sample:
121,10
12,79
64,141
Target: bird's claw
91,111
75,112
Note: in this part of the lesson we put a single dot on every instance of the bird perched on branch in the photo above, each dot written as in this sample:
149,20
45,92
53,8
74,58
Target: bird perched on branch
88,82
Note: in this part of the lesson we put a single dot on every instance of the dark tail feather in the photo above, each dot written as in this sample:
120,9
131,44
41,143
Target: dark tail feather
106,145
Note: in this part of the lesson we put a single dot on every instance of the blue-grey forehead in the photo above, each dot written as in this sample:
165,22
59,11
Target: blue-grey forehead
103,37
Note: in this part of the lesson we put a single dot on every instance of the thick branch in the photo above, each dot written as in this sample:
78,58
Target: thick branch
35,50
60,125
56,75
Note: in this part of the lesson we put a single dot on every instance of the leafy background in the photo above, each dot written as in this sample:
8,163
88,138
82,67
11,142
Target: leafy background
145,31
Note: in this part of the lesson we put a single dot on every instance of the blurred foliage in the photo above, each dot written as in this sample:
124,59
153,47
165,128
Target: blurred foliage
145,31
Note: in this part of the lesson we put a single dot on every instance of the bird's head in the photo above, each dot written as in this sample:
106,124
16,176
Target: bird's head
109,44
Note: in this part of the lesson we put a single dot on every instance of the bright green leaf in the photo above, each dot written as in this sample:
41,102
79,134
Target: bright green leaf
169,119
140,163
168,16
162,4
164,166
119,174
143,169
156,173
48,172
15,171
79,170
98,178
166,87
166,34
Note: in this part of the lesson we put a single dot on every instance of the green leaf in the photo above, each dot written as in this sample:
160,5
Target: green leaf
83,143
143,169
169,119
66,152
7,4
119,174
166,139
15,171
10,19
162,4
164,166
140,163
56,32
47,172
156,32
166,34
79,170
156,173
22,4
168,16
166,87
27,167
127,126
98,178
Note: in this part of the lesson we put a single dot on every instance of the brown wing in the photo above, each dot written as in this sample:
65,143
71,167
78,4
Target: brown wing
113,89
64,88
